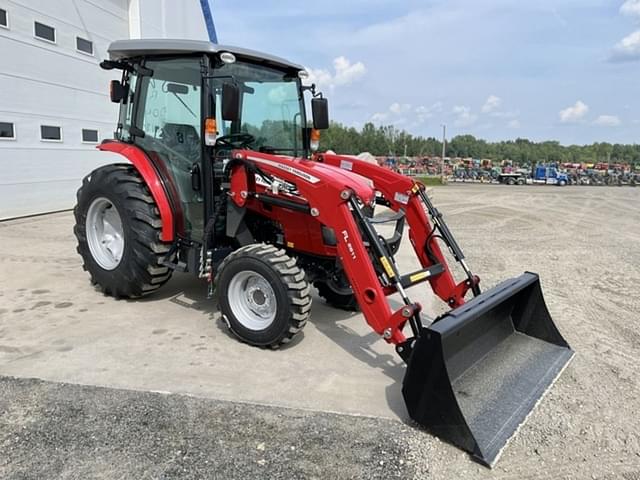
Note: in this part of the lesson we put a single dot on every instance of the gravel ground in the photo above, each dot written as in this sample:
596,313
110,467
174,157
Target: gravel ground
585,244
56,430
583,241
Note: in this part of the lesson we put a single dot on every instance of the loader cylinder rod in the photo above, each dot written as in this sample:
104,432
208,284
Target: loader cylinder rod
449,239
442,227
386,261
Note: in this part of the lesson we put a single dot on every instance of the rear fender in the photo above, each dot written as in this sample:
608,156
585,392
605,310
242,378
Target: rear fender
144,166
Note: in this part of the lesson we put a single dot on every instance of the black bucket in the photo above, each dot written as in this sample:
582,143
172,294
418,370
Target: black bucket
476,373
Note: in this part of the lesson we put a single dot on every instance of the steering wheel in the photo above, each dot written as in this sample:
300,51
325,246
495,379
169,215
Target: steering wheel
235,140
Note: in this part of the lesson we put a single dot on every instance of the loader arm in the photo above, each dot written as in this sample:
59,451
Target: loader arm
332,197
403,194
472,376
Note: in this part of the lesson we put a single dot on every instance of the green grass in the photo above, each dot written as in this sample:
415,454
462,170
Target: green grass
430,181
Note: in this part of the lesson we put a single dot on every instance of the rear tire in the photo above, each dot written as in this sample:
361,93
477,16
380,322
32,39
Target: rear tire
116,196
263,295
338,297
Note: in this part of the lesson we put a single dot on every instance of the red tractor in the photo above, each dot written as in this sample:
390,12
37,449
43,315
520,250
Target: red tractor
224,180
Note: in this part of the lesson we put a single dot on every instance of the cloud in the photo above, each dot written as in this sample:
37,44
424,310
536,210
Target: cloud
631,8
627,49
399,113
464,117
574,113
492,104
492,108
607,121
423,113
399,109
395,114
379,117
344,73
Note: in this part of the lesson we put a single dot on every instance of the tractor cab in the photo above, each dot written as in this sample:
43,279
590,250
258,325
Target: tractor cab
188,104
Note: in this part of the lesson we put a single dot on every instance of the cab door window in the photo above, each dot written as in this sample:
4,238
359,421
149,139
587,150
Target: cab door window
169,113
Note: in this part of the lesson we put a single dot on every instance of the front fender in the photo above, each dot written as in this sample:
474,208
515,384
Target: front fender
144,166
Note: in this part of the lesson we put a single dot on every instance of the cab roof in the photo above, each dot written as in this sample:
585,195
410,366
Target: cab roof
124,49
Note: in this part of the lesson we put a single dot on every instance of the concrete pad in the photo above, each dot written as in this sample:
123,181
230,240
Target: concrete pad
55,326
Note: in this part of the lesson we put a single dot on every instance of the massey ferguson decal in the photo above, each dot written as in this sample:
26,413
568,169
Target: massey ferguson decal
292,170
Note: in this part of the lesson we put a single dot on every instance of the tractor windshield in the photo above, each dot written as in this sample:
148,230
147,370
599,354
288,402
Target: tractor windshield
272,106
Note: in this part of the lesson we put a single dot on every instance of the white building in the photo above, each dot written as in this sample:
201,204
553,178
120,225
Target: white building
54,99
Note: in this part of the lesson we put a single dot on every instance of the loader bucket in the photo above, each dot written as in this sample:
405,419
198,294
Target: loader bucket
475,374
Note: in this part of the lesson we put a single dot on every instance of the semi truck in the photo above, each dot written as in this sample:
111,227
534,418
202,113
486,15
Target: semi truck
550,175
542,174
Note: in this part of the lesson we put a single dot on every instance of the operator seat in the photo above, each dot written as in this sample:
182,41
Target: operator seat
183,139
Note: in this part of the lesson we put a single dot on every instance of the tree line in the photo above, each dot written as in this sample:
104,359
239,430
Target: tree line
391,141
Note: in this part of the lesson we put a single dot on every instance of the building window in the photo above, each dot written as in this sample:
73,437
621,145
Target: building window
7,131
84,46
89,136
4,18
50,133
44,32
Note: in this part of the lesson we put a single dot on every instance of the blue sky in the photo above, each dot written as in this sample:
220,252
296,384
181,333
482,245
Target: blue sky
566,70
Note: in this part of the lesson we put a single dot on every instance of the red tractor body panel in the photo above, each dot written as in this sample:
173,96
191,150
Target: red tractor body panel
327,190
143,164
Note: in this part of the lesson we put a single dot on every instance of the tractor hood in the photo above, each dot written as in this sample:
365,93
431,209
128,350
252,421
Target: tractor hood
317,175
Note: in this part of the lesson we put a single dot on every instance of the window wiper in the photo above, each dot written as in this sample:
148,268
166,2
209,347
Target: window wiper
185,105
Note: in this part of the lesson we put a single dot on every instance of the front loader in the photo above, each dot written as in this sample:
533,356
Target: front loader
223,179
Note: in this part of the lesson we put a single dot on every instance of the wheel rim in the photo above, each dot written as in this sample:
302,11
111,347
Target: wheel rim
105,235
252,300
339,285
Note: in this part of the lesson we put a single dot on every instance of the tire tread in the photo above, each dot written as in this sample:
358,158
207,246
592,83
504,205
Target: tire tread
293,277
145,271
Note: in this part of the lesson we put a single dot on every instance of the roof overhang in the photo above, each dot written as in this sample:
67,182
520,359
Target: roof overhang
124,49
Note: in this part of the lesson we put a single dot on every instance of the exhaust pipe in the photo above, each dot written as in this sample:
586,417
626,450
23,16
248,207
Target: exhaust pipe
478,371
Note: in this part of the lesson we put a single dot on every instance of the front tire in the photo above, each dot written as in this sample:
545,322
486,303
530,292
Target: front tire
118,231
263,295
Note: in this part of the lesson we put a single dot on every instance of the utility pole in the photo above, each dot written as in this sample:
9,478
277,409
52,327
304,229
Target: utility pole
444,146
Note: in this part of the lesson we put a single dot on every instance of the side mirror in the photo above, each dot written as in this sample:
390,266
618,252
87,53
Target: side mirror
117,91
230,102
320,112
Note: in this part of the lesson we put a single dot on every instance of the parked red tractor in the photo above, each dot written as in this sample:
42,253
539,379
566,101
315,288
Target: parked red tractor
222,181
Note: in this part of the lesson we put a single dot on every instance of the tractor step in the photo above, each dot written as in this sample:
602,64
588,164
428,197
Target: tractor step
387,218
178,266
